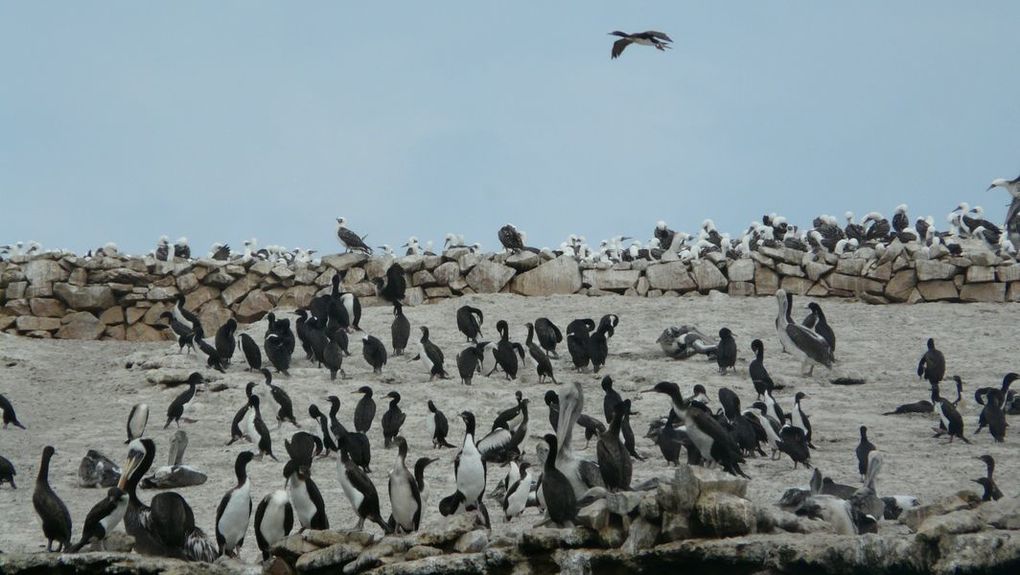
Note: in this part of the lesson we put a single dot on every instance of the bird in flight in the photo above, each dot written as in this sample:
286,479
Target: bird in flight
650,38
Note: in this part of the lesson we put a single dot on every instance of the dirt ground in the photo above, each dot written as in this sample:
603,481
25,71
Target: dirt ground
76,396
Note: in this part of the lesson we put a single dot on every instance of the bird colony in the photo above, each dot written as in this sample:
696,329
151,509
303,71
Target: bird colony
493,430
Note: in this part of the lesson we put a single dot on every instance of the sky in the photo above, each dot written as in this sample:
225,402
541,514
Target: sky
221,121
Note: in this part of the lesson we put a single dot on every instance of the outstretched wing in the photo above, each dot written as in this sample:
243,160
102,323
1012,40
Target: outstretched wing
660,35
619,46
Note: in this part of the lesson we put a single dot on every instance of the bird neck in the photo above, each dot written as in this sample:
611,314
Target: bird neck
44,469
241,471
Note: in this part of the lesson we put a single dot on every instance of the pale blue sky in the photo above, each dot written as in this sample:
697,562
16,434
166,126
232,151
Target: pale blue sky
122,121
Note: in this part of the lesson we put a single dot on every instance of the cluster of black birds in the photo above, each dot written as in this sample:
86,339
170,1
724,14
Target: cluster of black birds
557,480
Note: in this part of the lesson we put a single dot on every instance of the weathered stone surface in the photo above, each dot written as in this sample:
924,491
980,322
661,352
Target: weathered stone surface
595,515
15,290
611,279
449,530
187,282
962,521
490,277
1008,273
472,542
741,289
796,285
789,270
937,290
979,274
112,316
332,558
670,276
85,297
722,514
546,539
82,325
297,296
707,276
212,315
446,273
741,270
142,332
900,285
341,262
421,552
881,272
524,260
412,264
32,323
641,535
423,278
850,266
766,281
42,271
915,516
168,293
928,270
854,284
254,306
984,292
558,276
47,307
239,289
152,314
376,267
219,279
815,270
438,292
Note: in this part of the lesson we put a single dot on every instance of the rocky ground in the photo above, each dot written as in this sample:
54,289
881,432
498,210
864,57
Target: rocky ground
76,395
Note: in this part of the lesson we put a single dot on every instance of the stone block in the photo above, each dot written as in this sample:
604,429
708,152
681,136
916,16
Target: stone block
707,276
988,292
980,274
557,276
766,281
937,290
741,270
670,276
85,297
928,270
47,307
32,323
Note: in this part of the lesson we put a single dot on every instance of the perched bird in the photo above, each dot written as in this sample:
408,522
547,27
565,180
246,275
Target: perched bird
801,341
364,411
374,352
816,321
225,342
760,377
542,364
274,518
511,238
252,353
360,491
392,419
286,411
614,460
438,426
400,329
394,287
176,408
431,355
103,517
350,240
405,498
305,497
864,448
234,510
560,500
182,249
658,40
469,322
726,352
548,335
56,520
991,490
7,414
932,366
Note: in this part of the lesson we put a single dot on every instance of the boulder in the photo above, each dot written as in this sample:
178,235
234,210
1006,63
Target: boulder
815,270
557,276
342,262
721,514
332,558
523,260
112,316
472,541
297,296
854,284
239,289
610,279
142,332
446,273
670,276
254,307
900,285
81,325
168,293
15,290
984,292
412,264
88,298
796,285
47,307
850,266
979,274
1008,273
961,521
218,279
937,290
928,270
423,278
544,539
42,271
766,281
707,276
915,516
741,270
489,277
32,323
421,552
642,535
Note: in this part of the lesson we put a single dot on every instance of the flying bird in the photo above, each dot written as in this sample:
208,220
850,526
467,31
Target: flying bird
650,38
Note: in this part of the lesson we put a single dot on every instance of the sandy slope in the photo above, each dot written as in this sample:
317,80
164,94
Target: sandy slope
76,395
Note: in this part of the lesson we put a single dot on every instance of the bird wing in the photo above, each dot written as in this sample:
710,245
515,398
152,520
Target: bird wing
811,343
618,47
660,35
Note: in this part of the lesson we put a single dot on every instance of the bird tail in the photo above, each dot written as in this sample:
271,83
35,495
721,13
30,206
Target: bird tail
378,520
19,425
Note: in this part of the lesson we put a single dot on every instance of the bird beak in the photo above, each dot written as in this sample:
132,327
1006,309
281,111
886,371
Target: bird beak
646,391
403,245
990,187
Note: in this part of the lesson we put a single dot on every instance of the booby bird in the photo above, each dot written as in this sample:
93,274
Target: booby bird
991,490
559,494
166,527
56,520
469,322
185,335
176,408
257,429
511,238
136,422
364,411
542,364
431,355
350,240
799,340
282,399
711,440
7,472
162,252
252,353
104,516
374,352
220,252
182,249
1012,221
360,491
864,448
438,426
400,329
548,335
225,342
234,510
7,414
305,497
506,355
405,498
726,352
392,419
658,40
274,518
932,366
817,322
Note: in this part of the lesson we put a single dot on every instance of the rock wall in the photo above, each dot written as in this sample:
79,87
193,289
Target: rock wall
122,297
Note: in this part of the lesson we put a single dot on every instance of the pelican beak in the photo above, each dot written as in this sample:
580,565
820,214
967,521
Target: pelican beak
129,468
